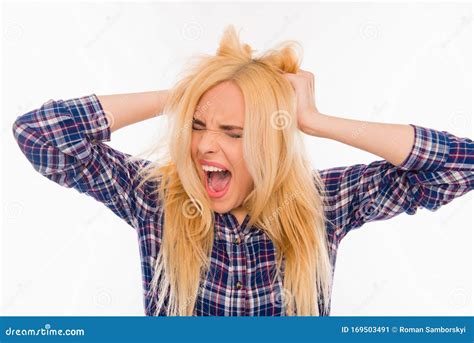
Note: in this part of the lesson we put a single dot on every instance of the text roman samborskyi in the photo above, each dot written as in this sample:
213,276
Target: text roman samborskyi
430,329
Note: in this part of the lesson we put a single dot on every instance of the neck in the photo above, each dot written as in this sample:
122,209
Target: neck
239,213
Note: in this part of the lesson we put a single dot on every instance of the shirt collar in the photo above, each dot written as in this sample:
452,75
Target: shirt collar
227,221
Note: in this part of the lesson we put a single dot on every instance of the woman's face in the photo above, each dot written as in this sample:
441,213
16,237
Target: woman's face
217,146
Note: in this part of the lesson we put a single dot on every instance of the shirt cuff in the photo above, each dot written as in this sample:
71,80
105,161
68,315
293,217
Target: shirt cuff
430,150
90,117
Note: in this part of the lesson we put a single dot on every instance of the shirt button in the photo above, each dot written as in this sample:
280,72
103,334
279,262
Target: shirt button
238,285
237,240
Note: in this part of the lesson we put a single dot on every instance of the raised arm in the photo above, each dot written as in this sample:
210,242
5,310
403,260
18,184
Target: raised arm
421,167
129,108
392,142
438,168
64,141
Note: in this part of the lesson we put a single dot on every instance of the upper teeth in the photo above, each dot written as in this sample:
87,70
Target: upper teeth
212,169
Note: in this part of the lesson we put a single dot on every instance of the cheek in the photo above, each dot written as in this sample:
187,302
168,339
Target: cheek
237,156
194,144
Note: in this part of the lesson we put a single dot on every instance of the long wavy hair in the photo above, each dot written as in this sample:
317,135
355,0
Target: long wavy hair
283,203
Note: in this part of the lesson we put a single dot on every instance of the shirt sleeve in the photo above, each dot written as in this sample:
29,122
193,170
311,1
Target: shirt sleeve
438,169
64,141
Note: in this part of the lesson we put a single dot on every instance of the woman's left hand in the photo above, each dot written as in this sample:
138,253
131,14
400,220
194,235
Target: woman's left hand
303,84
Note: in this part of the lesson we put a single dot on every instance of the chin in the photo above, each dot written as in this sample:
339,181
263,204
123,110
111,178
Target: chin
220,208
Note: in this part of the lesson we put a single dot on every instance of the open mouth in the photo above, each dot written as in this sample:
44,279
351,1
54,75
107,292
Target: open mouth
217,180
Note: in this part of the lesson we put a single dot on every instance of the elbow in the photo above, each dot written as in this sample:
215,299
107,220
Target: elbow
22,131
29,139
18,128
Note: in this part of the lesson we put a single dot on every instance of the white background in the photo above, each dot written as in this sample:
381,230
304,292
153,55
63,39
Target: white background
63,253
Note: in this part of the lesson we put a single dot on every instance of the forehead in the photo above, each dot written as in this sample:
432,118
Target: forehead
222,104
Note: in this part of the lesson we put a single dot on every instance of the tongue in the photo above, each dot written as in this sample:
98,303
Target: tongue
218,180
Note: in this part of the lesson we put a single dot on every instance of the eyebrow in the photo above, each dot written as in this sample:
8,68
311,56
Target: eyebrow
222,127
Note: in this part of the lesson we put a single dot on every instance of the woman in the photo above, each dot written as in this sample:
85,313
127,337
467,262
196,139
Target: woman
235,221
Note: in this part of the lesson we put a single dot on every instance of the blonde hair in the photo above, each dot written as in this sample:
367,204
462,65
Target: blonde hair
284,202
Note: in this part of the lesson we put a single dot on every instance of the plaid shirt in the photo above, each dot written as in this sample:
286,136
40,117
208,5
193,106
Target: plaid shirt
64,141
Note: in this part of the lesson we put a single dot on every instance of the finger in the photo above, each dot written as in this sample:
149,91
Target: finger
293,79
289,75
305,73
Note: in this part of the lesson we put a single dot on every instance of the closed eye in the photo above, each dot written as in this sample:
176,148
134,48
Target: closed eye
234,135
199,126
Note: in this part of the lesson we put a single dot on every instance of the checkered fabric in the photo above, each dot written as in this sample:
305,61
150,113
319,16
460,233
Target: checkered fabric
64,141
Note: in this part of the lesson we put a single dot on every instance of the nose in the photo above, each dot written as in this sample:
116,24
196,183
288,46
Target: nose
208,142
